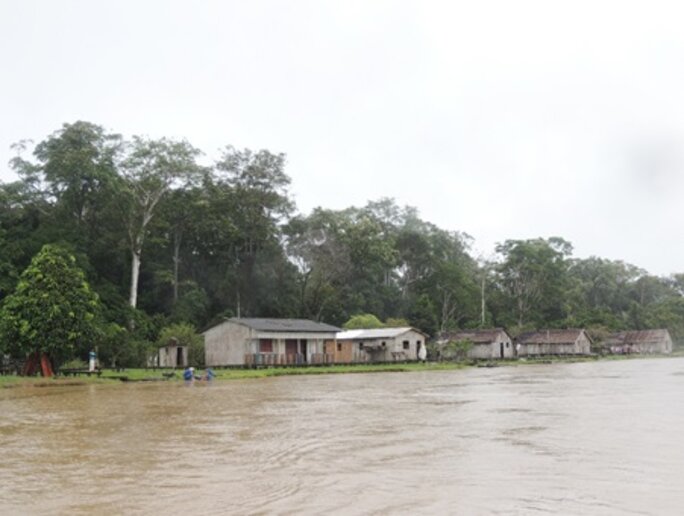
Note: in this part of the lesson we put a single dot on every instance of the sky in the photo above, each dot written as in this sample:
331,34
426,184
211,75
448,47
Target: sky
504,120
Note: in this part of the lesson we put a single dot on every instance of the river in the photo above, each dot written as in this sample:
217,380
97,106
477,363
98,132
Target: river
603,437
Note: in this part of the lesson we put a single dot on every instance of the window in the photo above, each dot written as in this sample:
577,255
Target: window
339,346
406,344
360,345
265,346
508,344
383,343
418,344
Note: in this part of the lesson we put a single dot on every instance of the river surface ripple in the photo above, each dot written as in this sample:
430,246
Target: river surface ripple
587,438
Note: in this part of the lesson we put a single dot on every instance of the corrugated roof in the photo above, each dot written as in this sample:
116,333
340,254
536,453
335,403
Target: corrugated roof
484,336
638,337
550,337
375,333
286,325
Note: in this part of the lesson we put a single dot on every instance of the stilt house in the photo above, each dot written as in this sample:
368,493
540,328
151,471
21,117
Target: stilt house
640,341
253,341
493,343
553,342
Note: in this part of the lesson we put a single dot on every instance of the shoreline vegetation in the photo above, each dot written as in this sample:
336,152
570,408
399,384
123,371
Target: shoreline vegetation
110,376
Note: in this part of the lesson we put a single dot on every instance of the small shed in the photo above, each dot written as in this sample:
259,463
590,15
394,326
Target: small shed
173,355
640,341
379,345
494,343
554,342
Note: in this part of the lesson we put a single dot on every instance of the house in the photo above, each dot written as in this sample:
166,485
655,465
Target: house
172,355
554,342
252,341
379,345
640,341
484,343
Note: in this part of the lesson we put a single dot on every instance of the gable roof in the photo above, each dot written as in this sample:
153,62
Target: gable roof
477,336
568,336
375,333
284,325
638,337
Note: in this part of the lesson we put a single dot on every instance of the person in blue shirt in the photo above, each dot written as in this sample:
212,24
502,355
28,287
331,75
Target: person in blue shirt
209,374
189,374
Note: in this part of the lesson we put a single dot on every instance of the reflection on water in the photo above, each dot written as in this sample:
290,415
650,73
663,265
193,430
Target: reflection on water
588,438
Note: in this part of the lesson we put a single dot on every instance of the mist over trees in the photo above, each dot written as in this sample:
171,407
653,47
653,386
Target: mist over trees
163,240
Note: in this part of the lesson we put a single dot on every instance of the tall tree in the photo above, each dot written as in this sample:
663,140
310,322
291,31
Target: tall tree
151,170
78,165
257,184
533,275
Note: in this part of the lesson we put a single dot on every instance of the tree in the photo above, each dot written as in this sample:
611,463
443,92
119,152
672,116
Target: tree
363,321
257,186
184,335
457,349
78,163
7,270
533,275
52,309
152,169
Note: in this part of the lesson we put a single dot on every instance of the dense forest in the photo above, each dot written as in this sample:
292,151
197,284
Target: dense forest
164,239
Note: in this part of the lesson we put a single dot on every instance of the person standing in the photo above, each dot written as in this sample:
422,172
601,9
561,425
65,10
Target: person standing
92,357
422,352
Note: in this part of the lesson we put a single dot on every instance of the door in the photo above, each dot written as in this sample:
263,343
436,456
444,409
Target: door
303,348
501,344
179,357
291,351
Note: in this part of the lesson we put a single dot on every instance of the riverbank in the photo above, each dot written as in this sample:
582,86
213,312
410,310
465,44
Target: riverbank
157,375
150,375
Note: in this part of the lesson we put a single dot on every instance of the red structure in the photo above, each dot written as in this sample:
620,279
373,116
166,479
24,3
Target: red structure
38,362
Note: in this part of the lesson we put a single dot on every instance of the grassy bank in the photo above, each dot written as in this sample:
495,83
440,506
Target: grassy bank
135,375
139,375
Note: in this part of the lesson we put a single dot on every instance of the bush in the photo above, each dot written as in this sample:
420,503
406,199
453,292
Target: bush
363,321
184,335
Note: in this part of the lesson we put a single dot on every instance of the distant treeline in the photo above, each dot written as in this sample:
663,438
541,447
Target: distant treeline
163,239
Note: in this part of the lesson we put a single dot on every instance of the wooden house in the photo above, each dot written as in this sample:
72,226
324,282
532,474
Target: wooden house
254,341
379,345
553,342
640,341
488,344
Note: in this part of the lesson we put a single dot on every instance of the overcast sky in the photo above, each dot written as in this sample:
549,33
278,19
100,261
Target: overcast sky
501,119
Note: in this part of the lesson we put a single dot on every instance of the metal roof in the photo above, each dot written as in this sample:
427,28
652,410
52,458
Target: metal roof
568,336
375,333
285,325
638,337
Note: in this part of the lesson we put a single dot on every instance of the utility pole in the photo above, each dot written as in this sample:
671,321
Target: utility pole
482,313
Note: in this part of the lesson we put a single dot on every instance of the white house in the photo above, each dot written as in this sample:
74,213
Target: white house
379,345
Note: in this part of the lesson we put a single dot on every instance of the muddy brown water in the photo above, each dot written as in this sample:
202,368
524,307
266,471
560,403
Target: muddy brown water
586,438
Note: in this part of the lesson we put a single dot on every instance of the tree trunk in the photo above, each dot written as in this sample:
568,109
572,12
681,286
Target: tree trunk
135,272
176,262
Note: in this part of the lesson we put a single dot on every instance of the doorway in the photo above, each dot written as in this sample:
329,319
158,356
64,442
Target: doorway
179,357
303,349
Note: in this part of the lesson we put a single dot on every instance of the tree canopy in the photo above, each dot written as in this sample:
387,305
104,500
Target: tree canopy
52,310
166,240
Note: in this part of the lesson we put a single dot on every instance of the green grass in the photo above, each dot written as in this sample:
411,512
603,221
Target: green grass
111,376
